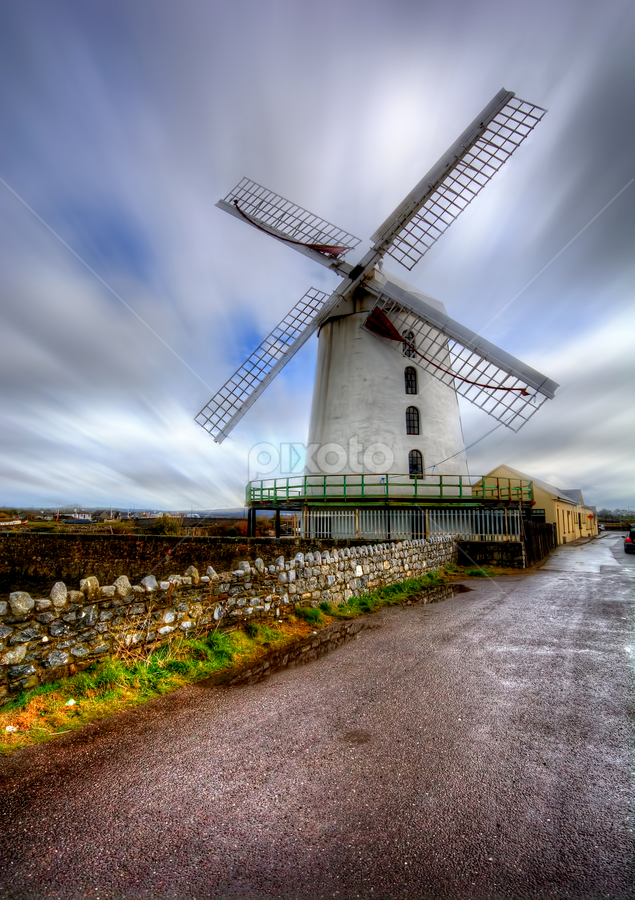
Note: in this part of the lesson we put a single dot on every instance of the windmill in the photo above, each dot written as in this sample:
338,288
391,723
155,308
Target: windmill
391,362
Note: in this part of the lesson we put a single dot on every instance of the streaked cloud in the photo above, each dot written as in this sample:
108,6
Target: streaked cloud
124,123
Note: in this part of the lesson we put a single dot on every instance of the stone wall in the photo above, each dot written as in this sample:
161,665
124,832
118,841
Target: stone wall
507,554
48,637
28,559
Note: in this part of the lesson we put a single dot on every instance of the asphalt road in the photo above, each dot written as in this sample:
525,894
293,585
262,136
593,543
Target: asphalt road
473,748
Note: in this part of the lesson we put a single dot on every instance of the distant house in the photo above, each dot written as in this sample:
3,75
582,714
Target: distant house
563,507
106,515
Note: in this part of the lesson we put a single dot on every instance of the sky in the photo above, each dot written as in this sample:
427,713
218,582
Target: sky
127,298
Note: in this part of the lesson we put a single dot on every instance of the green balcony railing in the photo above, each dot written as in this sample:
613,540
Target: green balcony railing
351,488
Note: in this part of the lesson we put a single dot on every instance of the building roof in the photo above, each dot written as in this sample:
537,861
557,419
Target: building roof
571,495
575,494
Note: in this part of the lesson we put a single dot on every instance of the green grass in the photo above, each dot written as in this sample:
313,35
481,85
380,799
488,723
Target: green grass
113,684
311,614
479,572
391,595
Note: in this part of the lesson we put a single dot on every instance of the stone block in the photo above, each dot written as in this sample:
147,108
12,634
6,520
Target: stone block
56,658
193,573
87,616
109,592
23,637
80,651
5,631
122,586
90,588
42,603
64,645
14,656
15,672
21,604
59,594
150,584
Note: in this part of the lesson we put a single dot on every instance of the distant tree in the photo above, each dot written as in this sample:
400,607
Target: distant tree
167,525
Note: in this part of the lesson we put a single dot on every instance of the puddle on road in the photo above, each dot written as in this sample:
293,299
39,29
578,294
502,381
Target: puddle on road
356,737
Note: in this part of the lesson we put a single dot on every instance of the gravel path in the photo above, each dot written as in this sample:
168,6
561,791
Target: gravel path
473,748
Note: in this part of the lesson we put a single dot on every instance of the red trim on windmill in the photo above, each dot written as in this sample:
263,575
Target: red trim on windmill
326,249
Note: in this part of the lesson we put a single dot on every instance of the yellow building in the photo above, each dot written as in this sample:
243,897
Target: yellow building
563,508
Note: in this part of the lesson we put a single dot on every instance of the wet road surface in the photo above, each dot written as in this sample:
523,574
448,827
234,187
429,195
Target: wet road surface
473,748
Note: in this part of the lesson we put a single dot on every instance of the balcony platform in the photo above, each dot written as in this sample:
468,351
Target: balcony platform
388,490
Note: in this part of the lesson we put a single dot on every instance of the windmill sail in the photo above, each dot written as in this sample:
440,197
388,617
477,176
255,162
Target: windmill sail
497,382
288,222
457,178
232,401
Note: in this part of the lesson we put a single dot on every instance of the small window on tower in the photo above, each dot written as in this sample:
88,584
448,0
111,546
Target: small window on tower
410,377
408,346
412,420
415,463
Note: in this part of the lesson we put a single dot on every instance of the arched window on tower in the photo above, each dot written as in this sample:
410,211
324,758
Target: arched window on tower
410,378
408,346
415,463
412,420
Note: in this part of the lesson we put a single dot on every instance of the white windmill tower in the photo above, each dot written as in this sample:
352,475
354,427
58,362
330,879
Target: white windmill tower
390,360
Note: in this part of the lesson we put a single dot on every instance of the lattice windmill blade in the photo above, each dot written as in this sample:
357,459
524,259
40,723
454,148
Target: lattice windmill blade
231,402
288,222
457,178
497,382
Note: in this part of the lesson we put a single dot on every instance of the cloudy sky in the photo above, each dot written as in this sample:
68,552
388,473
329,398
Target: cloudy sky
127,298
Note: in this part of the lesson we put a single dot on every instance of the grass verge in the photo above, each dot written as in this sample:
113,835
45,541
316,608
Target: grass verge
115,683
455,572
